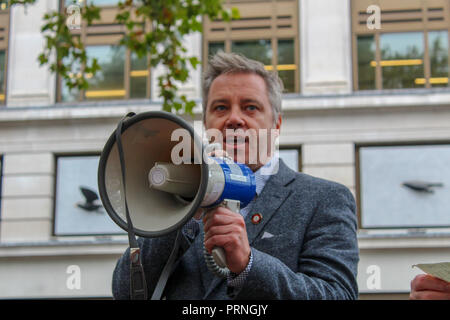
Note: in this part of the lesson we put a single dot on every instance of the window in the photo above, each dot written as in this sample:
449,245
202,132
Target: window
291,157
267,31
123,74
4,26
403,186
438,52
78,209
410,50
366,54
401,60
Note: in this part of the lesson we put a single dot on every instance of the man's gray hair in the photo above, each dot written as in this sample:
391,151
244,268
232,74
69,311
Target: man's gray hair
227,63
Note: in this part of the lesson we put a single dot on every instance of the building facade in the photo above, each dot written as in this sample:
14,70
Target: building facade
366,104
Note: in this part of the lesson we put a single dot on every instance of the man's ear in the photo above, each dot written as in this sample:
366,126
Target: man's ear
278,123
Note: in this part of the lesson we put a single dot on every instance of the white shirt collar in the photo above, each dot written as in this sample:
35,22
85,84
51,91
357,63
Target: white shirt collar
265,172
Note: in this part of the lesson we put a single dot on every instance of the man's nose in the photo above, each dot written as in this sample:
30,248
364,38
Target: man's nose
235,119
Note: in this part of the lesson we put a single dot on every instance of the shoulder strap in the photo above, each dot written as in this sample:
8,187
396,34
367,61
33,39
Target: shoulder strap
138,286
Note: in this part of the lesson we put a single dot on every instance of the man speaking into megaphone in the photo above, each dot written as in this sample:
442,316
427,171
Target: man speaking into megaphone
295,240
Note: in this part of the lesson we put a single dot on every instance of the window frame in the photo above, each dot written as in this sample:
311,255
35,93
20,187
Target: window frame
298,148
257,22
56,157
103,33
417,16
358,195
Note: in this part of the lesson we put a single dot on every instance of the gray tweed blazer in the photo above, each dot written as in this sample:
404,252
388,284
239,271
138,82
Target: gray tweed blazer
311,251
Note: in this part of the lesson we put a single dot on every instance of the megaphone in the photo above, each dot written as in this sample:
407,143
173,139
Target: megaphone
147,192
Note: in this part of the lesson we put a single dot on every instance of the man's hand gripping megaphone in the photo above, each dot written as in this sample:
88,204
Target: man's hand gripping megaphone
225,228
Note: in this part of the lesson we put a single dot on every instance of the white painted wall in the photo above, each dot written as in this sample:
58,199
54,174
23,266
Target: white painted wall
29,84
41,273
325,46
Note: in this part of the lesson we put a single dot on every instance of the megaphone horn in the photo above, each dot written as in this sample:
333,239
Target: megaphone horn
162,196
146,140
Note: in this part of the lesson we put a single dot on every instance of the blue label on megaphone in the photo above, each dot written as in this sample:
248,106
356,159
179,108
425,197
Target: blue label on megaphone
240,183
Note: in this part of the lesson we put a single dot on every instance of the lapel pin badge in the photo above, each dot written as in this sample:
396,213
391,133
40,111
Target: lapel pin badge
256,218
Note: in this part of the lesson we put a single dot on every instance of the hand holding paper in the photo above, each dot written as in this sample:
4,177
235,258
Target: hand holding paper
439,270
435,285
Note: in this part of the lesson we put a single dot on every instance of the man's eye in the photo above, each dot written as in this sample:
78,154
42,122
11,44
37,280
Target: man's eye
220,108
251,108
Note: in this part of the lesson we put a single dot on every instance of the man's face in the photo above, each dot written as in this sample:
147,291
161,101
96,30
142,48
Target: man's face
238,106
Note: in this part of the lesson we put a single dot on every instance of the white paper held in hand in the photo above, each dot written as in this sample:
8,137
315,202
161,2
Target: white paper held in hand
439,270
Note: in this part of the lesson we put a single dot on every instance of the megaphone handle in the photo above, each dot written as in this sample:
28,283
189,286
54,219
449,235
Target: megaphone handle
219,256
218,253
